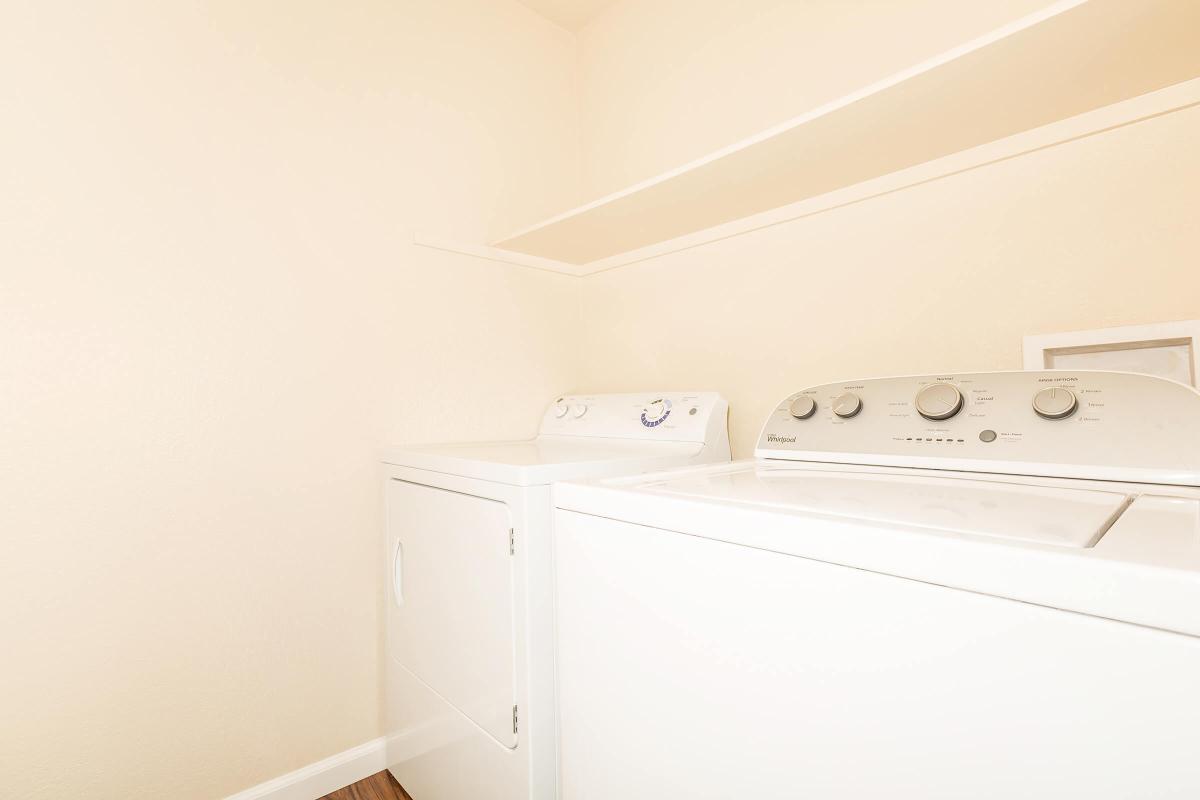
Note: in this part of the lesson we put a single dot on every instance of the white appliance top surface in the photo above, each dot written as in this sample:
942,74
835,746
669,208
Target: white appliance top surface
589,436
1124,551
545,459
1045,514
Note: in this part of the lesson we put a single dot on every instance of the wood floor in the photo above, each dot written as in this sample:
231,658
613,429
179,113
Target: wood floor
380,786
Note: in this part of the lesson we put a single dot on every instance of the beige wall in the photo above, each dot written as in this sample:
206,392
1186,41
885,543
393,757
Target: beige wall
210,319
210,315
945,276
663,82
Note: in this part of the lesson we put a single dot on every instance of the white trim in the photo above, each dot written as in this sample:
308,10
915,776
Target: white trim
322,777
1126,337
1127,112
502,256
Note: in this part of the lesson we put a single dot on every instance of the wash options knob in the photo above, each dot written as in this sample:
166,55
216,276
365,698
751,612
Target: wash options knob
1055,403
560,408
939,401
847,405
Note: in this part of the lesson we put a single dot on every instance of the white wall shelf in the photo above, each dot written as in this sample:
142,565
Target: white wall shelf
1065,63
497,255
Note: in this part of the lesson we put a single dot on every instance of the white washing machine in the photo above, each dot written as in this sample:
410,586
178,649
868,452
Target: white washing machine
978,586
469,706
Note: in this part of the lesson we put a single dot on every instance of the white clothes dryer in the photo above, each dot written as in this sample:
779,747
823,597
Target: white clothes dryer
979,585
469,698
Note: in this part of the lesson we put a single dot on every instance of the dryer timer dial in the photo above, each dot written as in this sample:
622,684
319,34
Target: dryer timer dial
656,412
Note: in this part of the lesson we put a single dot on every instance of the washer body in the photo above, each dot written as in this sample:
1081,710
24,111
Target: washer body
469,696
893,606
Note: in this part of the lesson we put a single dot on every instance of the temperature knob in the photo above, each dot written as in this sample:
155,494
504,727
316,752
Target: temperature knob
560,409
579,410
847,405
803,407
1055,403
939,401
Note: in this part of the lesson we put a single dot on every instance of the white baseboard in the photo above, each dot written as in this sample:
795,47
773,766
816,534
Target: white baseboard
322,777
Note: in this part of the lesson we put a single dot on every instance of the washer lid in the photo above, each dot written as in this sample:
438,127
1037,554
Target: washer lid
1006,510
1075,545
545,459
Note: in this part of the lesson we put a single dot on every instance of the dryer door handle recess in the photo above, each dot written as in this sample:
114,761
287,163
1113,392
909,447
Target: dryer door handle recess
398,573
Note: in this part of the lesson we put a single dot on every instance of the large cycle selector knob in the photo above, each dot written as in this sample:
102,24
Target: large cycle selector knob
1055,403
560,409
939,401
656,412
847,405
803,407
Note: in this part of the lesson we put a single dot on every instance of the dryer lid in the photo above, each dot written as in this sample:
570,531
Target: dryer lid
1066,517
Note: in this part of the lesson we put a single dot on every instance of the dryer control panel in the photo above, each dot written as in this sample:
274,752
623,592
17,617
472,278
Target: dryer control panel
1075,424
660,416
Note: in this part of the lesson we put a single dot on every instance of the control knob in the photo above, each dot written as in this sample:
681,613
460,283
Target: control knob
939,401
655,411
579,410
1055,403
847,405
803,407
560,409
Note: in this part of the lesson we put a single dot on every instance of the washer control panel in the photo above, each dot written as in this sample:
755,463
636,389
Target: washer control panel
1078,424
665,416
